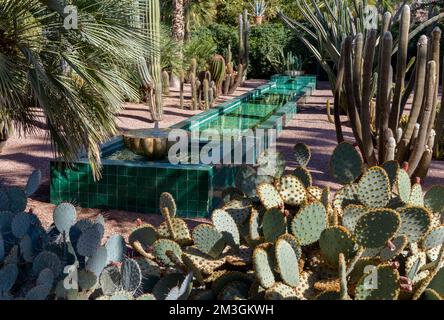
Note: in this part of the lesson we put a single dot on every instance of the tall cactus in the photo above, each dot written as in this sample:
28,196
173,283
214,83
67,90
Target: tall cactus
386,139
244,42
218,71
152,75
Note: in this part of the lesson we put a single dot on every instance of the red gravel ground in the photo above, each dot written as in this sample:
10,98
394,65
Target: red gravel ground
24,154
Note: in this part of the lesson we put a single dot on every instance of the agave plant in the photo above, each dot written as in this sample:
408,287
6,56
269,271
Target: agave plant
259,7
68,73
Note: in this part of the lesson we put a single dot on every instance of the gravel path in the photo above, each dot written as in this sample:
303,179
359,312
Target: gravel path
310,126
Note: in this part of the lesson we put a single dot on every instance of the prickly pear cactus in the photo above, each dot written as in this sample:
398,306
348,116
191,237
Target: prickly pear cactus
376,227
374,188
385,286
309,222
346,163
292,190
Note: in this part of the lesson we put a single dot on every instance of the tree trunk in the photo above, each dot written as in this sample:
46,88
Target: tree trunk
178,21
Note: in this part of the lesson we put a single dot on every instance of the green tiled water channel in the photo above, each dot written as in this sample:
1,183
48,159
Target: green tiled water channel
132,183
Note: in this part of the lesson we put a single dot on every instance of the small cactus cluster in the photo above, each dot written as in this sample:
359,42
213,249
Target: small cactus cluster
219,76
203,88
70,260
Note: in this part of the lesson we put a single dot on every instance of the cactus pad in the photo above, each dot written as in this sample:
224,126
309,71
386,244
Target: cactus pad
400,243
240,210
280,291
17,199
374,188
345,163
89,241
434,199
336,240
309,222
403,186
287,263
273,225
116,248
64,217
302,154
416,196
386,288
391,168
26,248
360,266
47,259
271,163
145,235
87,279
167,201
20,224
303,175
293,243
38,293
162,246
235,290
437,283
98,261
375,228
33,183
415,222
110,280
226,225
255,223
204,263
314,194
8,277
131,275
430,294
351,215
262,262
269,196
181,231
45,278
345,196
208,240
292,190
433,238
168,282
246,179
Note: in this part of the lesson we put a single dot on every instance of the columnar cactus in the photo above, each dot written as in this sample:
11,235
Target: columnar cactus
385,140
153,84
218,71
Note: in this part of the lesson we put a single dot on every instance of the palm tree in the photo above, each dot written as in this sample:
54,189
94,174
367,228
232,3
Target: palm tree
77,78
178,21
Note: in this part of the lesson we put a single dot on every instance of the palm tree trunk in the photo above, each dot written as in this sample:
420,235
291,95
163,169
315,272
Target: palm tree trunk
178,21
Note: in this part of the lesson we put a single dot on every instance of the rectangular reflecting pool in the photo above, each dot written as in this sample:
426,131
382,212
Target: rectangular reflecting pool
132,183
